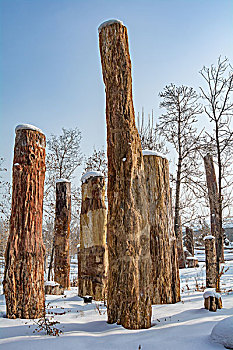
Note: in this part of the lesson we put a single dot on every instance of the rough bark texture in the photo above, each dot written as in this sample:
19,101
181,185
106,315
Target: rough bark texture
128,233
24,257
162,236
215,221
189,241
92,255
210,260
180,247
213,303
54,289
62,233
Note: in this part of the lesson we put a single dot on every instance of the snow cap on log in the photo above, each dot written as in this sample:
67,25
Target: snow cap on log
108,23
89,174
62,180
209,237
148,152
27,127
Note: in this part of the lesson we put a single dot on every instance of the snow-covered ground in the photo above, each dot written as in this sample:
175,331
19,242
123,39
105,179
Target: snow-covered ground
182,326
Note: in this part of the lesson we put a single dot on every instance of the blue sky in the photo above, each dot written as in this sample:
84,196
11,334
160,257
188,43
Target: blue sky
50,65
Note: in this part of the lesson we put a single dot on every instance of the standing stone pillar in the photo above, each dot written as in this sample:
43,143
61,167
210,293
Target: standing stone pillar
166,285
215,214
24,257
62,233
210,260
180,246
92,255
128,232
189,241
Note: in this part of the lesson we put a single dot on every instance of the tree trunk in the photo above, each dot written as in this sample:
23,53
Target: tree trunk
165,290
92,255
62,233
189,241
210,260
129,302
24,257
215,220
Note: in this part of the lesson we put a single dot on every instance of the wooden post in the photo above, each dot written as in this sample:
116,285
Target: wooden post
189,241
129,302
216,229
210,260
62,233
165,290
24,258
92,255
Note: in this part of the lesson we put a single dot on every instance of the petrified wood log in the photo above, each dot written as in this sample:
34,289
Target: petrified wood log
212,301
24,258
62,233
216,229
92,255
189,241
180,247
166,285
128,232
210,260
53,288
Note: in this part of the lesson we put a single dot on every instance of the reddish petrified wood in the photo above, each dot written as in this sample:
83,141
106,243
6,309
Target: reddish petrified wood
24,258
62,233
128,232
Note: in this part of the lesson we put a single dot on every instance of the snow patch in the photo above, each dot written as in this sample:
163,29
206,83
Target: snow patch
51,283
90,174
222,332
210,292
191,258
209,237
27,127
16,164
124,159
148,152
108,23
62,180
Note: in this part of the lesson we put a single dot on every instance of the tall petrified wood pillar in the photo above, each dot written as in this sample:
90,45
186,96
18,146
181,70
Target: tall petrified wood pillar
210,260
128,232
92,256
213,193
166,284
189,241
62,233
24,258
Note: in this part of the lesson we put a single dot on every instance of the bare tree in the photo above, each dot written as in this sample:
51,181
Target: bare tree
150,134
177,125
218,106
97,162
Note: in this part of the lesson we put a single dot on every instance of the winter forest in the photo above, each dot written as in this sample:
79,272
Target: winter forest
130,246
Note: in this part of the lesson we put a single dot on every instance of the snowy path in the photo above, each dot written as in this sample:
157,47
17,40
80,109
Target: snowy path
184,326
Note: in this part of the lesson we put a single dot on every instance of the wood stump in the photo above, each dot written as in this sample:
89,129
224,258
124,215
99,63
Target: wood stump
166,284
53,288
210,260
62,233
128,232
24,257
92,255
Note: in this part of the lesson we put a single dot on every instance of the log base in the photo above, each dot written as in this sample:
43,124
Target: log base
213,303
54,289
